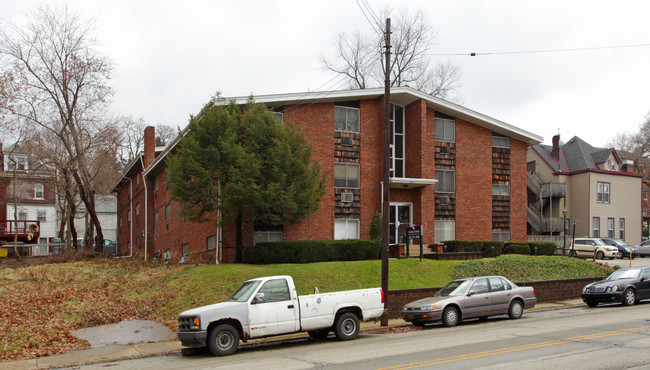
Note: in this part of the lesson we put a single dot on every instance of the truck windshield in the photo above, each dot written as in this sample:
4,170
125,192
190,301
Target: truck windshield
245,291
455,288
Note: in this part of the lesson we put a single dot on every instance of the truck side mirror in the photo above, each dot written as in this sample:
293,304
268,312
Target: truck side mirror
259,297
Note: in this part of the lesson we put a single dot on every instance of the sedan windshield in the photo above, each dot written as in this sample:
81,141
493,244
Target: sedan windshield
455,288
624,274
242,294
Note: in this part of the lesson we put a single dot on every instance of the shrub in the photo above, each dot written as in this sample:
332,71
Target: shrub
491,248
375,226
543,248
307,251
517,248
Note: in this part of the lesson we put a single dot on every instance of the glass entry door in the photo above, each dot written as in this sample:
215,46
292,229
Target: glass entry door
400,220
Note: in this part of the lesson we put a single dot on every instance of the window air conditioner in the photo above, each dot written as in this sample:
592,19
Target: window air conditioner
347,197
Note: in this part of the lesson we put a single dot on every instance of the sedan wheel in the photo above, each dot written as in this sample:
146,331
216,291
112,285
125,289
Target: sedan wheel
629,297
516,310
450,316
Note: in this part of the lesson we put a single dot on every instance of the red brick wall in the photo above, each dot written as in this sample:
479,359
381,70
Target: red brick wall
518,191
371,161
473,182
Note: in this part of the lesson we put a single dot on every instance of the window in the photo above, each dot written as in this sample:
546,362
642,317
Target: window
445,130
346,175
186,249
155,183
120,221
18,163
596,227
41,216
346,229
445,230
603,192
278,116
610,228
496,284
503,236
480,286
275,291
645,195
500,141
38,191
137,209
155,221
621,228
128,215
346,119
22,215
268,236
137,180
396,141
500,189
168,211
211,241
446,179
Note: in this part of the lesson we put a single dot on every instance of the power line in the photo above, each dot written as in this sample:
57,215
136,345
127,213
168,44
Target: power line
372,14
541,51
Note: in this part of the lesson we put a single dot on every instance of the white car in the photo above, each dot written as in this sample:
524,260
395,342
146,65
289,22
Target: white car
592,247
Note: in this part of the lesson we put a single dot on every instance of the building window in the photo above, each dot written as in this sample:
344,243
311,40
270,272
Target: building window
645,195
41,216
278,116
186,249
267,236
397,141
346,119
155,183
346,229
120,221
445,130
155,221
610,228
500,189
38,191
444,230
137,209
596,227
211,242
137,180
346,175
446,181
503,236
22,216
18,163
499,141
621,228
168,211
128,215
603,192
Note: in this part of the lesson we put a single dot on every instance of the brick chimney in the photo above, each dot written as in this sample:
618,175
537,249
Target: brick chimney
149,145
556,148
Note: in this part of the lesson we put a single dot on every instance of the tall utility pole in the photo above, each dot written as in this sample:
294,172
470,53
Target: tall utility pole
385,227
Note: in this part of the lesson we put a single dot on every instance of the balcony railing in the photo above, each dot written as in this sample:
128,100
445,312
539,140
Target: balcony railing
552,225
553,190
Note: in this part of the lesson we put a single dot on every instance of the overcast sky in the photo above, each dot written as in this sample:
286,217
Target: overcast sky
171,56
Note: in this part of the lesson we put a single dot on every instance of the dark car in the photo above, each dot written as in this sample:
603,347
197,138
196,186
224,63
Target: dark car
472,297
628,286
623,247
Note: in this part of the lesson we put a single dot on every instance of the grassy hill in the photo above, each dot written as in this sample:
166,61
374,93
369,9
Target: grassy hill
39,305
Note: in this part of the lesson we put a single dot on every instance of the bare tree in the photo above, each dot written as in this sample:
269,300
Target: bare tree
63,86
359,58
635,147
165,134
131,142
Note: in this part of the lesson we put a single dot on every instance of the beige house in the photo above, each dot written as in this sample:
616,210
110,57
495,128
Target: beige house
591,186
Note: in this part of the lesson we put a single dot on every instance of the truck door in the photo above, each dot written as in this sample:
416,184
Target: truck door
274,313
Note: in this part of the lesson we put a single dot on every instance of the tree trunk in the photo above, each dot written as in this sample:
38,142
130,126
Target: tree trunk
239,245
88,197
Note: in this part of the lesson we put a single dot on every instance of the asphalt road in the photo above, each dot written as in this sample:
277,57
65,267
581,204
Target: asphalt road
604,337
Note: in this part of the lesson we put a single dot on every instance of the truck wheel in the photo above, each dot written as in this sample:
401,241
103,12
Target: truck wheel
318,334
223,340
347,326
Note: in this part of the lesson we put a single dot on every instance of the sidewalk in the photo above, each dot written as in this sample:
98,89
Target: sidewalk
138,350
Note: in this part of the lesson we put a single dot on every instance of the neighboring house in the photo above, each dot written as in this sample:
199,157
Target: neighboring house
458,173
645,210
106,209
599,191
27,193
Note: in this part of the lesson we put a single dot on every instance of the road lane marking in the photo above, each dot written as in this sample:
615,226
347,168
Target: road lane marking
515,349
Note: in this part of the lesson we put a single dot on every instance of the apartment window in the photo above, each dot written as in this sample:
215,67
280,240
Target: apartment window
267,236
503,236
444,230
278,116
22,216
38,191
41,216
186,249
445,130
346,229
645,195
155,183
168,211
120,221
396,141
596,227
500,189
446,181
500,141
621,228
211,241
346,119
18,163
603,192
155,221
137,180
137,209
346,175
128,215
610,228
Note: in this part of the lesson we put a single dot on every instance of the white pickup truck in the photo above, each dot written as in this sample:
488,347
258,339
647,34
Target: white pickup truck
270,306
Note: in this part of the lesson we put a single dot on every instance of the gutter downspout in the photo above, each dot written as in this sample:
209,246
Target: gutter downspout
146,208
219,228
130,218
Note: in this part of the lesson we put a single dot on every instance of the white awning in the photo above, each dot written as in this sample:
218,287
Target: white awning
410,183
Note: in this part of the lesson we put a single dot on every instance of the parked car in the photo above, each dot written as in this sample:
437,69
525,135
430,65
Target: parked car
270,306
472,297
587,247
622,246
628,286
644,248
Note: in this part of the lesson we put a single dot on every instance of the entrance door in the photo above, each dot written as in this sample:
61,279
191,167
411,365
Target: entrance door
400,220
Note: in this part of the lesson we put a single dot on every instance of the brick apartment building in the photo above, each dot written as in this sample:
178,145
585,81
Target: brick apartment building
458,173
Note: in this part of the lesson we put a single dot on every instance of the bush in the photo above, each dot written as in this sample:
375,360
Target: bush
307,251
517,248
490,248
375,226
543,248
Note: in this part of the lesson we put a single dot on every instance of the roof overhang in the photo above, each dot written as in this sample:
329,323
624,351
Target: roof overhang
410,183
